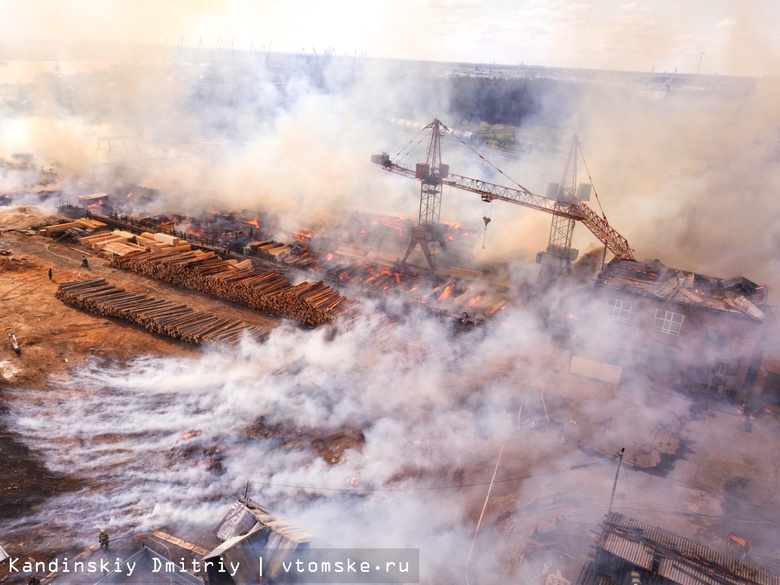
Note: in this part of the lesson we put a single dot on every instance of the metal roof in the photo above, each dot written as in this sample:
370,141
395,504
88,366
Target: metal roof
248,517
239,520
678,559
737,296
270,542
145,571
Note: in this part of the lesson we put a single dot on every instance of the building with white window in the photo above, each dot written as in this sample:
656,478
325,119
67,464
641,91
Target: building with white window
683,327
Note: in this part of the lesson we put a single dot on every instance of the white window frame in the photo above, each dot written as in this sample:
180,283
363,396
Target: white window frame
619,309
668,321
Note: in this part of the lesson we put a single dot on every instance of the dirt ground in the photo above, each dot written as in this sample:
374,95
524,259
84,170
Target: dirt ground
55,338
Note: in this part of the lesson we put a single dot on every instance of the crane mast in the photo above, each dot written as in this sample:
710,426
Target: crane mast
562,202
428,233
559,255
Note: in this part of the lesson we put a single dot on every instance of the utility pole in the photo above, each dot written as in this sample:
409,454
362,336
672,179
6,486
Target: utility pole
617,473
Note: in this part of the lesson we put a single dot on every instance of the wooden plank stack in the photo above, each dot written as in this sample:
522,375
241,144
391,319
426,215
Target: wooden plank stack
159,316
270,247
122,243
84,224
310,304
107,244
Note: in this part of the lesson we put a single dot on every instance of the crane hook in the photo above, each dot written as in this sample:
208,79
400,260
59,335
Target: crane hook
486,219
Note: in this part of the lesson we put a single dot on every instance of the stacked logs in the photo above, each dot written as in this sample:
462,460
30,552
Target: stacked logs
308,303
159,316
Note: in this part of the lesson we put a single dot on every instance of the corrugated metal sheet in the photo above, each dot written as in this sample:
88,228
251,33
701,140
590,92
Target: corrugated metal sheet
683,574
230,543
689,562
239,520
269,540
276,524
244,515
635,553
261,544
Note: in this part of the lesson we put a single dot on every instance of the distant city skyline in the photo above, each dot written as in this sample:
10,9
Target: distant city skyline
718,37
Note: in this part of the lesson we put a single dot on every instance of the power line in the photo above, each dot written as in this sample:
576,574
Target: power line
428,488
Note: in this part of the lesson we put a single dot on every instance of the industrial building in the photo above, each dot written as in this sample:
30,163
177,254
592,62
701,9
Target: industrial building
249,532
630,552
687,328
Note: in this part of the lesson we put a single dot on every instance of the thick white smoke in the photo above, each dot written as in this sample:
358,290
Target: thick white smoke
686,179
425,438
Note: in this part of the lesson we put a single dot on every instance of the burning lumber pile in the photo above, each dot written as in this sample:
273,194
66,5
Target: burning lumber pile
310,304
270,247
83,225
159,316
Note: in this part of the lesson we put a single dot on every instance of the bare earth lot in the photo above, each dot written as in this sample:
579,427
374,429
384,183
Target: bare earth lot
55,339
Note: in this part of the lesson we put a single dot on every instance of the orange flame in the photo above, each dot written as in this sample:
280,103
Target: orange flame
474,301
446,292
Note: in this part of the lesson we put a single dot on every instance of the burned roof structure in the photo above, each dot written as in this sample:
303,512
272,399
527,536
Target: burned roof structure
737,296
249,531
630,551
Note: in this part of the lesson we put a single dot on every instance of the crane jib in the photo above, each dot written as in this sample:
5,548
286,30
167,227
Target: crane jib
575,210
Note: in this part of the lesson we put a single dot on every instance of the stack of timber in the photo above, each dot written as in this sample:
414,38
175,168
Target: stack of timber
107,244
122,243
270,247
83,225
159,316
302,259
307,303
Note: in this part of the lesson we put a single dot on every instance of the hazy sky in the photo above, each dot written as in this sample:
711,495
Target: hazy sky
727,37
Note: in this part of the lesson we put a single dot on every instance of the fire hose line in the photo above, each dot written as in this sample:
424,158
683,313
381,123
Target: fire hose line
3,298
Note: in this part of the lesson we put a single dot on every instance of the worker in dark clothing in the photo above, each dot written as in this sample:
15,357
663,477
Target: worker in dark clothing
84,263
34,581
14,343
103,539
50,273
